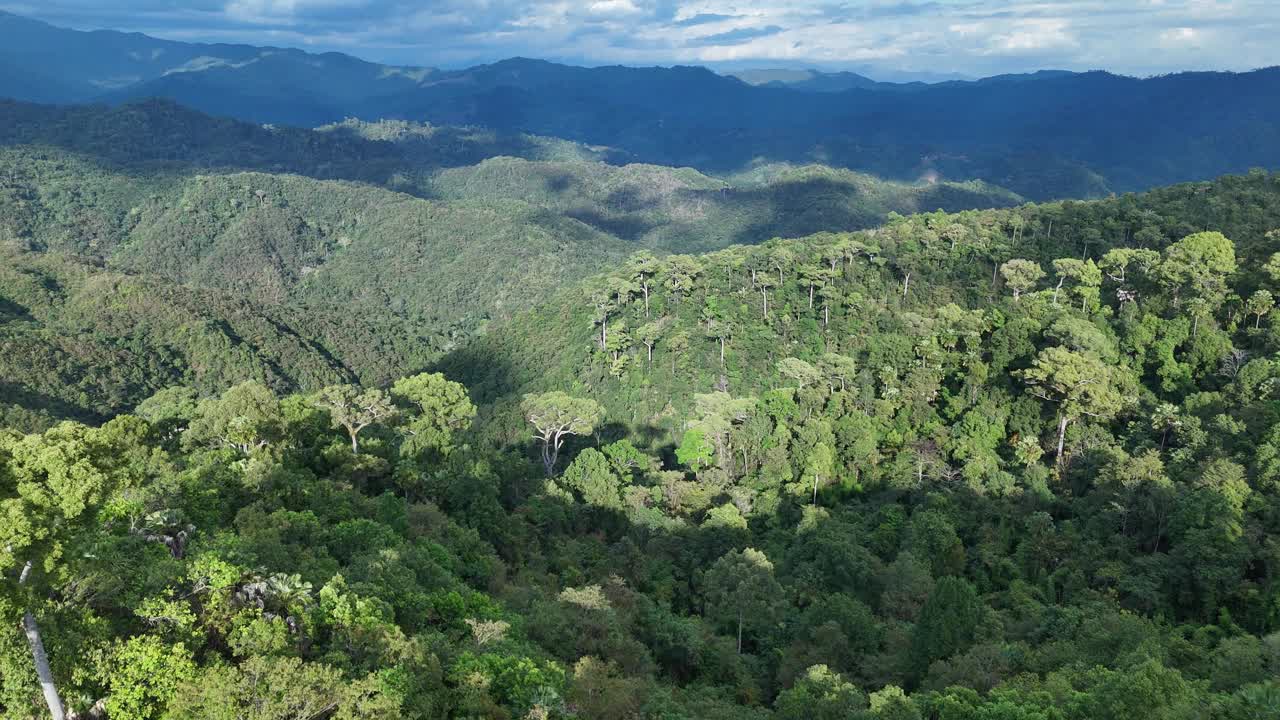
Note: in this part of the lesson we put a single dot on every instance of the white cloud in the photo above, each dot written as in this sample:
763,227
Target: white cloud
1179,36
613,7
975,37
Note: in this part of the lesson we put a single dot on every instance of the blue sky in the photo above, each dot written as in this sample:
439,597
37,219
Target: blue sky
970,37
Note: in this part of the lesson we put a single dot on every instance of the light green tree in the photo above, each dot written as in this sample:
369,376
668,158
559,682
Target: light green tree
246,417
695,451
642,269
437,409
1198,266
1260,303
1086,280
555,416
1021,275
1079,384
354,409
49,517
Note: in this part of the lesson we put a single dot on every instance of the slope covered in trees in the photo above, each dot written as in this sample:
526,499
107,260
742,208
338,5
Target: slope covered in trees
874,281
377,243
1001,464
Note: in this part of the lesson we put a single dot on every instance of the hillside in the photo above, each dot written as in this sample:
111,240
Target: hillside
1014,463
362,225
682,210
950,259
80,342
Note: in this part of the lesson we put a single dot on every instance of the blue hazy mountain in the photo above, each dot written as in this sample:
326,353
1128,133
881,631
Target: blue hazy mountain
1044,135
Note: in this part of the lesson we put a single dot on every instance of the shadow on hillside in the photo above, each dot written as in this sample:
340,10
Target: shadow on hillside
799,208
14,394
629,228
157,135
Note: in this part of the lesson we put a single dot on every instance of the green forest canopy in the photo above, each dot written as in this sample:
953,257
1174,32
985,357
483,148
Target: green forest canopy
1002,464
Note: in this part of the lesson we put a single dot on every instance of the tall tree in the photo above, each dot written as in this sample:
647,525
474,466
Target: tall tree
1260,303
436,408
642,269
354,409
555,416
740,589
49,523
1079,384
1198,266
1021,275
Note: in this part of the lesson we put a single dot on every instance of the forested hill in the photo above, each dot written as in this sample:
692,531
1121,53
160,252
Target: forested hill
876,296
380,245
1017,464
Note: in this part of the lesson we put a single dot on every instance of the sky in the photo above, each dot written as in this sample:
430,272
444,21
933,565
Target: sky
937,37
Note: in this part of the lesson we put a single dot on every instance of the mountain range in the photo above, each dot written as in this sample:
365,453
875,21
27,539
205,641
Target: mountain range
1045,135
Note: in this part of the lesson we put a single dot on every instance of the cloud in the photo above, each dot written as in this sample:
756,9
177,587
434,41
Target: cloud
974,37
735,37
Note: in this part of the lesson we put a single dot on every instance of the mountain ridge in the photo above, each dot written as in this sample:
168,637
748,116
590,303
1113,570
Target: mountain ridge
1045,135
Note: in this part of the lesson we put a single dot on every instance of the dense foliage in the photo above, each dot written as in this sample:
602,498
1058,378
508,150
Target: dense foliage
1002,464
144,246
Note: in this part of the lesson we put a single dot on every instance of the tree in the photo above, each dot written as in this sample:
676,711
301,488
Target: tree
1085,275
740,589
49,521
648,335
246,417
677,345
763,283
717,413
799,371
717,326
681,271
1021,275
830,295
555,416
695,451
1198,265
437,409
282,688
354,409
612,295
1260,303
1079,384
592,475
837,369
143,674
641,270
819,694
814,276
1272,268
781,258
948,623
1117,262
820,465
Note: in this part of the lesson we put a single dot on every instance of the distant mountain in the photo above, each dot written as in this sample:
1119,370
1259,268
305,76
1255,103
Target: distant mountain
44,63
1043,135
812,80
